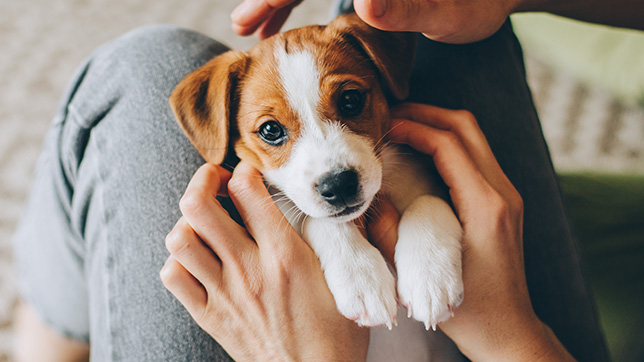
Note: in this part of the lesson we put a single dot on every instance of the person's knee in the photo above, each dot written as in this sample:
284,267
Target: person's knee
166,40
141,66
157,52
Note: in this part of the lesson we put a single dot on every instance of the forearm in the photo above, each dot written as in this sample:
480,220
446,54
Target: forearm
542,345
509,337
622,13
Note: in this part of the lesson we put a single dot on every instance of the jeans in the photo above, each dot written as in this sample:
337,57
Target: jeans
115,163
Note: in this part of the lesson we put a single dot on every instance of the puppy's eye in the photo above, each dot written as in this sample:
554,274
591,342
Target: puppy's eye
351,103
272,133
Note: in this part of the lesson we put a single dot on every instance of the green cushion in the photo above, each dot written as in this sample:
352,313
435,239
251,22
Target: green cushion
599,56
607,215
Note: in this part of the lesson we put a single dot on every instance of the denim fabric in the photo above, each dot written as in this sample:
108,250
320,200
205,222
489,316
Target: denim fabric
91,243
115,164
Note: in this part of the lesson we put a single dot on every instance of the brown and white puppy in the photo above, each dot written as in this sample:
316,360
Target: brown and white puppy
309,109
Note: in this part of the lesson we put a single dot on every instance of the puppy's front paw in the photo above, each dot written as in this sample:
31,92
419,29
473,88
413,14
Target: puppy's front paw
363,288
430,292
428,261
356,273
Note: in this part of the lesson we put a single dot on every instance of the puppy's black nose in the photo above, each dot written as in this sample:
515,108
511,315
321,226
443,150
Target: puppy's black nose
339,188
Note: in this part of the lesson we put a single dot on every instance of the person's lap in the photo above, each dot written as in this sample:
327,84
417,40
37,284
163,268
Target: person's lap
116,164
125,164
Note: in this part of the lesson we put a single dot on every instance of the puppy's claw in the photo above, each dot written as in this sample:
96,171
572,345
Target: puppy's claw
389,326
427,326
409,313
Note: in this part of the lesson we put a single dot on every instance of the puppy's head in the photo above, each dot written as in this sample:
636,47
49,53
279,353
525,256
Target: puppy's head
307,107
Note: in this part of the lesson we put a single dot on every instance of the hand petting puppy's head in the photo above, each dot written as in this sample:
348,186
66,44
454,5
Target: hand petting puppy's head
307,107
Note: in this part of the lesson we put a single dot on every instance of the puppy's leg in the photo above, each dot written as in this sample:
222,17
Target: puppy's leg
428,260
356,273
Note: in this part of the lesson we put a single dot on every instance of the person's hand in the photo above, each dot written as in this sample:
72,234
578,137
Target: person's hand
496,320
258,291
261,17
451,21
448,21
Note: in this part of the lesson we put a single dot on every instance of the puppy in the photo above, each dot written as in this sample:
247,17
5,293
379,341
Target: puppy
309,109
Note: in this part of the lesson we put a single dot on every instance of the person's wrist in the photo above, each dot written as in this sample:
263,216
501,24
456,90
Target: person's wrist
517,336
345,343
535,342
338,352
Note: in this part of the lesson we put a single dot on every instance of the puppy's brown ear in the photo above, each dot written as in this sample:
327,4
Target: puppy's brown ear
203,102
391,52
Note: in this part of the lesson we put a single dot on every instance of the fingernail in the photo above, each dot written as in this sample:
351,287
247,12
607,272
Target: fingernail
379,7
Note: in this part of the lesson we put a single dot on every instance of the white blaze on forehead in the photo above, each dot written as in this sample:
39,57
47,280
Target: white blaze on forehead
322,145
301,82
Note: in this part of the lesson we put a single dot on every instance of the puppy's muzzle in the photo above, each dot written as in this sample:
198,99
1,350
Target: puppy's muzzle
340,189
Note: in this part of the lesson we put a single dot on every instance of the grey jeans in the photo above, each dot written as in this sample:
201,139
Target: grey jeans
115,164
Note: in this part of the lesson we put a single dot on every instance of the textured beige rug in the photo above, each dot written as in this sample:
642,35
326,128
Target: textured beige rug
43,41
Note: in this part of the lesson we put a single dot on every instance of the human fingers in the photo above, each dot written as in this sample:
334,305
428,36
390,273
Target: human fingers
209,220
457,169
446,21
184,286
393,15
462,123
465,127
186,247
261,216
479,205
275,21
220,179
250,14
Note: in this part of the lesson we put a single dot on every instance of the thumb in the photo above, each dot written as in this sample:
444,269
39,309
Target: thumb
255,205
394,15
455,22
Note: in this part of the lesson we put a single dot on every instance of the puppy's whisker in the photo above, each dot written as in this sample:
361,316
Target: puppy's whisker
293,210
383,142
302,217
297,215
281,199
387,185
384,136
